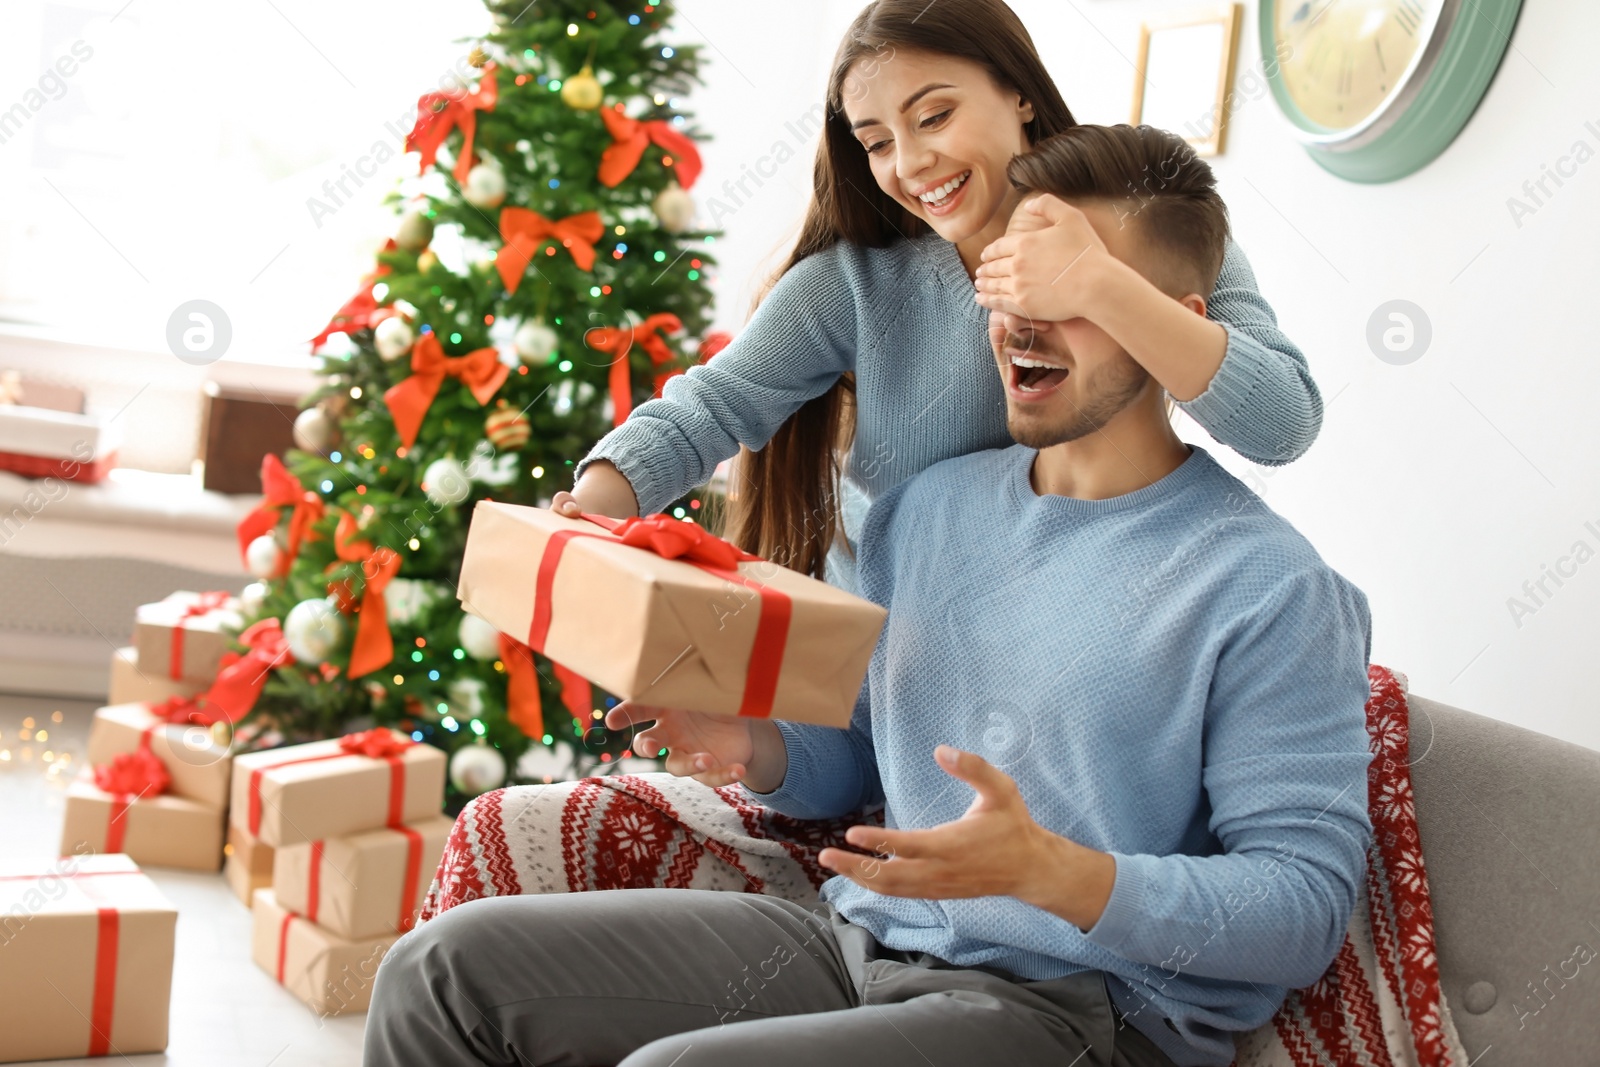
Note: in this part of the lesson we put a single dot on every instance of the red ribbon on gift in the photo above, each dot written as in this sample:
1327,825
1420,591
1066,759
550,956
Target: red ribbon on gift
374,646
375,744
279,490
480,371
409,888
523,231
632,136
673,538
439,113
214,600
619,341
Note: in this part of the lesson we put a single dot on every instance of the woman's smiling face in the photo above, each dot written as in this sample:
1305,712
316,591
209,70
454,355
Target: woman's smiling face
939,133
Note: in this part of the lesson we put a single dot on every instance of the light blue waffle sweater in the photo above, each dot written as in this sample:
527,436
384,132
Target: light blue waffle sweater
1172,676
904,320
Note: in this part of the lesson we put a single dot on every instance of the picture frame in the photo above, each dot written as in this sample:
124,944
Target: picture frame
1184,73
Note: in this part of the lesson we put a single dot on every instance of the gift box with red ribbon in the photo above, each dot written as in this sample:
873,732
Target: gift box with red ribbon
363,885
131,684
247,863
85,959
324,789
331,975
198,764
186,635
661,611
153,827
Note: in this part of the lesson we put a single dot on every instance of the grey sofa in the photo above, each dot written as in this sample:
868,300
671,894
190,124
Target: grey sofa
1510,825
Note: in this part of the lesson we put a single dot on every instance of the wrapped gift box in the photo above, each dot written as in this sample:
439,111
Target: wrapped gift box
130,685
85,960
285,796
156,831
40,443
201,769
331,975
247,864
754,639
185,635
364,885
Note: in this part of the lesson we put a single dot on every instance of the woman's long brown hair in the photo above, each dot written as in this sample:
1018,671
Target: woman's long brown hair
784,504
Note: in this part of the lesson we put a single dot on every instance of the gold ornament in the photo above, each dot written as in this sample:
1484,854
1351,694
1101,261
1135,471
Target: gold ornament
477,57
427,261
582,91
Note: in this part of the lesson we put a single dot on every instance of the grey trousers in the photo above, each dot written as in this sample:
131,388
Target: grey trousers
701,978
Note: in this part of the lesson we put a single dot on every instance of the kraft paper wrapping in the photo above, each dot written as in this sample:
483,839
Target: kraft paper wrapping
331,975
157,831
662,631
325,798
362,889
54,945
200,768
248,865
132,685
205,637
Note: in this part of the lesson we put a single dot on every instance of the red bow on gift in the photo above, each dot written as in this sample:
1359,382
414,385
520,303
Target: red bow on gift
439,113
632,136
373,647
480,371
361,311
378,743
280,489
138,773
673,538
241,679
523,231
619,341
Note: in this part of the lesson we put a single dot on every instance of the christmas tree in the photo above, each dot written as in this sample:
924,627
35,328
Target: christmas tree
543,279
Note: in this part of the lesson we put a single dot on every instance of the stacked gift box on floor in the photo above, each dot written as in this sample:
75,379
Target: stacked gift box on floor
157,783
86,946
356,832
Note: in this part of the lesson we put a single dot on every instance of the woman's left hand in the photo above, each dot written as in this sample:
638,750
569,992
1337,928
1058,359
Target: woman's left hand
1042,267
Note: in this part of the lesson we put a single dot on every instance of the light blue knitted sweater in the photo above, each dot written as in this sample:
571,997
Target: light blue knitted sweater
904,320
1173,676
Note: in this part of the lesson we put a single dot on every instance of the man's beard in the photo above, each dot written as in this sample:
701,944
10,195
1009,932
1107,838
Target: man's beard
1111,389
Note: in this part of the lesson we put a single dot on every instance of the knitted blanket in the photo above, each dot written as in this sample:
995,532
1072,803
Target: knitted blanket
1379,1003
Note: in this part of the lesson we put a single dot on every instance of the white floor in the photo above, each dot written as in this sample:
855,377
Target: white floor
226,1012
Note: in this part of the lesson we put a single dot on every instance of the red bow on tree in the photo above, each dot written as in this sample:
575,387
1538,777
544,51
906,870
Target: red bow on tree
361,311
619,341
373,647
439,113
523,231
280,489
632,136
139,773
523,706
673,538
378,743
241,678
714,343
480,371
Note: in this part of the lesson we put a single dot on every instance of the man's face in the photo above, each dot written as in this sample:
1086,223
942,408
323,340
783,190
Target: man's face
1065,380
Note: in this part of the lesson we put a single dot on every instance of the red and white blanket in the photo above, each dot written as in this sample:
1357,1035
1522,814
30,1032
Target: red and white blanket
1378,1004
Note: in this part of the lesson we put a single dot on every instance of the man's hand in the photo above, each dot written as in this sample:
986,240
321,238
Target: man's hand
1044,266
995,849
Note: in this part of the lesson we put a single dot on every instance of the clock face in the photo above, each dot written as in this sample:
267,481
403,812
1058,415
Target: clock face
1345,58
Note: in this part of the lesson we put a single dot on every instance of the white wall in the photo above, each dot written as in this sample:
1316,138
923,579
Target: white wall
1439,487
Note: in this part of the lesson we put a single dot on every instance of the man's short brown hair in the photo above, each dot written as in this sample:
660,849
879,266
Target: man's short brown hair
1150,176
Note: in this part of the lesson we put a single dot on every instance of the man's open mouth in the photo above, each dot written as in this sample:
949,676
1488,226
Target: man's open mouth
1031,375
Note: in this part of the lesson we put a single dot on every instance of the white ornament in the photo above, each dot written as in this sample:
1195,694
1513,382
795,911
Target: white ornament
415,231
314,430
407,598
393,337
480,639
547,763
674,208
262,556
534,342
476,769
485,186
251,597
465,696
445,481
311,630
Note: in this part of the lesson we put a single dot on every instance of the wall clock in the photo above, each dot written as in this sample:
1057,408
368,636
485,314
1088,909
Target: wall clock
1377,89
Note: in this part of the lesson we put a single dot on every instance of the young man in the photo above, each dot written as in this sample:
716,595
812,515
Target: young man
1116,718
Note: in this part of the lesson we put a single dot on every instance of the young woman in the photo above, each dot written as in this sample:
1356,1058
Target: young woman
873,340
